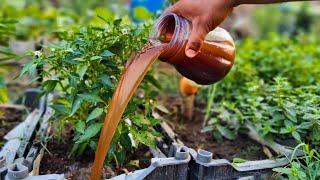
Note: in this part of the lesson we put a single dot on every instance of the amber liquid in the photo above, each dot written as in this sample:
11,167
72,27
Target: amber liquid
210,65
214,61
127,85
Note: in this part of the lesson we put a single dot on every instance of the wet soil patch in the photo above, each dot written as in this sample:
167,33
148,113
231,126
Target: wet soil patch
57,160
189,132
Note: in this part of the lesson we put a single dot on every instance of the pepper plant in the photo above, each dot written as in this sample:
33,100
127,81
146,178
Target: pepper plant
84,68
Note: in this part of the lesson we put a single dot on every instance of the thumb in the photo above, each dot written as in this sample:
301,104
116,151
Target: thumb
196,39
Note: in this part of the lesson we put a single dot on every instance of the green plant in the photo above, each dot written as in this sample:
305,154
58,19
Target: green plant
286,19
305,167
34,20
211,93
84,68
274,85
3,91
7,30
46,18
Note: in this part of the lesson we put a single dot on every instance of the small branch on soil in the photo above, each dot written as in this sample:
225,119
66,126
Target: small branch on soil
267,152
46,149
278,148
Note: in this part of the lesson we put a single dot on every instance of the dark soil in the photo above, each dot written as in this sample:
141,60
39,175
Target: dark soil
189,132
58,160
5,127
10,116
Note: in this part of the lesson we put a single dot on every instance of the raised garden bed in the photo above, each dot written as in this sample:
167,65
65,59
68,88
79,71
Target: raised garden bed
200,158
27,153
21,152
214,160
189,132
144,163
56,161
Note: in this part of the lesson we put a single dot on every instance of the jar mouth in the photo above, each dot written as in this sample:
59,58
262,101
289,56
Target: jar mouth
171,29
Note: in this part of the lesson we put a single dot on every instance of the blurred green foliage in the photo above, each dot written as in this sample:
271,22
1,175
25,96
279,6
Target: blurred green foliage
3,91
36,18
141,13
274,85
286,19
7,31
34,21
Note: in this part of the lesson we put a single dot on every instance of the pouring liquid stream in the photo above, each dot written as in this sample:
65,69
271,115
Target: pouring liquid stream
127,86
213,62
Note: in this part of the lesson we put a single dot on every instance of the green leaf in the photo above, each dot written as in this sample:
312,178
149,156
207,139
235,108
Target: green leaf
238,160
75,105
49,85
154,121
226,132
286,171
82,70
144,137
117,22
102,18
94,114
110,64
305,125
61,109
72,59
291,113
82,148
106,53
30,68
4,97
95,58
2,82
140,120
90,132
152,80
296,135
93,145
284,130
106,81
80,126
93,98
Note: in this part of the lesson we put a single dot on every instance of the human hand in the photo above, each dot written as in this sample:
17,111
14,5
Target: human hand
205,16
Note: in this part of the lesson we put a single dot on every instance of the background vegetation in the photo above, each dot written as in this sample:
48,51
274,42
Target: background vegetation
273,86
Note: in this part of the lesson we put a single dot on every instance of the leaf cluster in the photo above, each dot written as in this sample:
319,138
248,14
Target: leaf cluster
305,167
85,68
274,85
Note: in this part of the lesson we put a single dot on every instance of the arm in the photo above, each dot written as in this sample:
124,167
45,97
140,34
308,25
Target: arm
206,15
239,2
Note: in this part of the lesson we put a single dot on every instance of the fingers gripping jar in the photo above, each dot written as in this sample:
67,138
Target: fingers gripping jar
214,60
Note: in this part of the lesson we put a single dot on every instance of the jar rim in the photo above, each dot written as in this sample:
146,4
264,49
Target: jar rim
180,33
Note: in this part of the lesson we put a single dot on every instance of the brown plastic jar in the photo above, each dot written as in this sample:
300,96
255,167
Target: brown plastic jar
215,57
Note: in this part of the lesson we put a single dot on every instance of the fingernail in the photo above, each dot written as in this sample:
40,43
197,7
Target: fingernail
191,53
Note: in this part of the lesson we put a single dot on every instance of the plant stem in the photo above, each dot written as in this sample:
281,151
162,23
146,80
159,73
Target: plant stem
211,95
